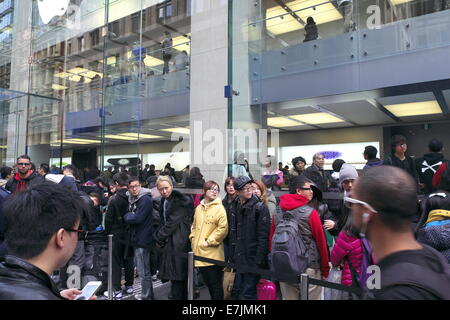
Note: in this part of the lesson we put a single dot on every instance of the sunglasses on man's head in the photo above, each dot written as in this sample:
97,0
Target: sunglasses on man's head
24,164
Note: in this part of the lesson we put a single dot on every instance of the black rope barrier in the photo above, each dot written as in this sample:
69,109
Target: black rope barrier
249,269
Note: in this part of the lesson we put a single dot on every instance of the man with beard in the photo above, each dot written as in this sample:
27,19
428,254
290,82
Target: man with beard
24,177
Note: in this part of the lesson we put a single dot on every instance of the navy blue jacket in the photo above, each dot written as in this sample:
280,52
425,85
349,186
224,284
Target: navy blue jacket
139,218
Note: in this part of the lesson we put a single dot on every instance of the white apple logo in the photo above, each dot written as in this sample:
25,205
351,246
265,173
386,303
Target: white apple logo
51,8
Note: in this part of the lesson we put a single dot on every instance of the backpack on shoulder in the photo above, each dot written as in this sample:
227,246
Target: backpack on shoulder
289,256
360,281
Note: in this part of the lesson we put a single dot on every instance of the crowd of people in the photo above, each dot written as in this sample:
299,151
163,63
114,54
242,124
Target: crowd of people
395,213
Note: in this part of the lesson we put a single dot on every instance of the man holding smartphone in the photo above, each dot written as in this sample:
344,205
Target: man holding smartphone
43,225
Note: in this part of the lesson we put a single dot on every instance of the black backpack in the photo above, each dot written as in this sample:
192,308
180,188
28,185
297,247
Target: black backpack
289,256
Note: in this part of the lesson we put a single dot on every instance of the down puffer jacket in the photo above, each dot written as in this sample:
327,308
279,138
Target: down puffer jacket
347,247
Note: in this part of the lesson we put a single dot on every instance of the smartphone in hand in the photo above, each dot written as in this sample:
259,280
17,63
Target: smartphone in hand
89,290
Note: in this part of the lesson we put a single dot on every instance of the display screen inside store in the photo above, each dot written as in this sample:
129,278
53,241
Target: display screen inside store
351,153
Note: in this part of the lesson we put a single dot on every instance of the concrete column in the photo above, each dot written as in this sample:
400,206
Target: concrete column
209,70
210,139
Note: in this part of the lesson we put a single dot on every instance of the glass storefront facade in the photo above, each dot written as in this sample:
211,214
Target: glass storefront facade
124,83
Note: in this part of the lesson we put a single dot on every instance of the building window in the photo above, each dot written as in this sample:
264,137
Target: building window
114,28
165,10
69,48
188,8
80,43
95,37
135,22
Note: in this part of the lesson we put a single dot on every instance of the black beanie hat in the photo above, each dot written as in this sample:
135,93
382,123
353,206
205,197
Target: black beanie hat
297,159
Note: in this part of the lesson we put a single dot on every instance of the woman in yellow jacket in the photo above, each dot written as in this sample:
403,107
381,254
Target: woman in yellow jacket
209,228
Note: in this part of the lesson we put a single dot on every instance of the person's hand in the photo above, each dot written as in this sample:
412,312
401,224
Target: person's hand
205,243
70,293
329,224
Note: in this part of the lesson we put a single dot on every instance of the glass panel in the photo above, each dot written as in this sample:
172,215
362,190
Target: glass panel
281,41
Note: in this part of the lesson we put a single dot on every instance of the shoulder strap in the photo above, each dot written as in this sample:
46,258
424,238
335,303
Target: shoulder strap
303,209
355,282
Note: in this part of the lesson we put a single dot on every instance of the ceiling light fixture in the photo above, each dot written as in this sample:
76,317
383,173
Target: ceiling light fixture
320,11
415,108
316,118
140,135
177,130
282,122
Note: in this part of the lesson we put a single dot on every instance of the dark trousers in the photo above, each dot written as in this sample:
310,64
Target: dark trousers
119,260
178,290
245,286
154,261
213,278
166,58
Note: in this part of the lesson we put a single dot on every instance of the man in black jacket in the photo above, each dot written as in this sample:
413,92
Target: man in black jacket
252,238
140,220
429,163
122,254
24,177
383,204
41,236
317,174
399,159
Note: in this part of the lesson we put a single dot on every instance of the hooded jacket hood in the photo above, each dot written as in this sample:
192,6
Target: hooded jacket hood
211,204
373,163
433,157
144,191
123,193
32,175
292,201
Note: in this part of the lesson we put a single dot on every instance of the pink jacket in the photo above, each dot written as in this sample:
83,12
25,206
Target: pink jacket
350,247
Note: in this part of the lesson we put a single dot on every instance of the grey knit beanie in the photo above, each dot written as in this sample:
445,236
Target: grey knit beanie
347,172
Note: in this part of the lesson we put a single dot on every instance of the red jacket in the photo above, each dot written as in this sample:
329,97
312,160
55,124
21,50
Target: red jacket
348,247
438,175
292,201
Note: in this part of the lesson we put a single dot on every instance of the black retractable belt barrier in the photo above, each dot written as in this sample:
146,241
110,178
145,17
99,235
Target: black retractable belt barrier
295,279
248,269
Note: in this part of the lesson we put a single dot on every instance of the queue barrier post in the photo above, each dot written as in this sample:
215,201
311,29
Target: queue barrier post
191,276
304,292
110,248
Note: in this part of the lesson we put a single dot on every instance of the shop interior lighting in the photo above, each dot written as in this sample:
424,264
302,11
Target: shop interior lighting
181,43
150,61
414,109
282,122
75,74
177,130
58,87
75,141
119,137
141,135
397,2
77,70
109,60
317,118
323,13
